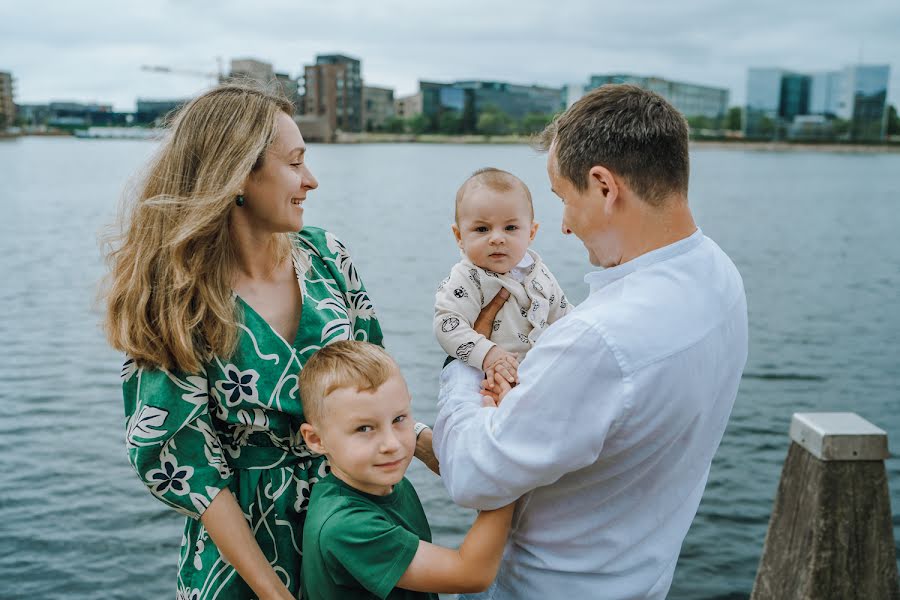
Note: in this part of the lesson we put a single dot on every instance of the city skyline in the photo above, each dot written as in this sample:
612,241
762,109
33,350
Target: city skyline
93,51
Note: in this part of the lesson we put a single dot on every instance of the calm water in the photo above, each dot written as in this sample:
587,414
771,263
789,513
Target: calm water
814,235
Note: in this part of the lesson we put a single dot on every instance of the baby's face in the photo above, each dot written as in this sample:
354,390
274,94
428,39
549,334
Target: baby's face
494,229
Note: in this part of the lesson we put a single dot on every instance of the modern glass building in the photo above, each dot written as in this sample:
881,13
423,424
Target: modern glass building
690,99
867,94
156,111
470,98
857,95
825,95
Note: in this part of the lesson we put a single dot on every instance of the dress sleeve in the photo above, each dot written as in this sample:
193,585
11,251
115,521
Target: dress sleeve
170,438
360,308
362,547
457,304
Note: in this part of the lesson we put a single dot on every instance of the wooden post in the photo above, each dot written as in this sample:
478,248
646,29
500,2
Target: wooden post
830,536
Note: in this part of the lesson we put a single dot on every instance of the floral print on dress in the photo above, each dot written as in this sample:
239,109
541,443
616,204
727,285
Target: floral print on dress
235,424
238,386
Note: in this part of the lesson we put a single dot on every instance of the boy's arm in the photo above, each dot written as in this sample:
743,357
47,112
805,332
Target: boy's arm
457,303
472,568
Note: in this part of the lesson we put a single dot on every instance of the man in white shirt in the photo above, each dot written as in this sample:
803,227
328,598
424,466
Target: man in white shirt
621,405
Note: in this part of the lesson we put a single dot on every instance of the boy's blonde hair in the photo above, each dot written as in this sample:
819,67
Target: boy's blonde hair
354,364
494,179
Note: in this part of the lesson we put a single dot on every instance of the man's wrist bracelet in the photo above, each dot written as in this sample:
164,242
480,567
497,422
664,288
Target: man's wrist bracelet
419,428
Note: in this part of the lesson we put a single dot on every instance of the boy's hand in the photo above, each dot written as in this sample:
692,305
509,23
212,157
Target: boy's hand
499,361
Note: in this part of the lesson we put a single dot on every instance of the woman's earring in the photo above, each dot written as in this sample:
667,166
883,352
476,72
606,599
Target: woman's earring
239,200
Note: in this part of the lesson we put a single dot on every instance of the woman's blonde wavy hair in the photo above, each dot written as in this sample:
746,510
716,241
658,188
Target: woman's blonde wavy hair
168,295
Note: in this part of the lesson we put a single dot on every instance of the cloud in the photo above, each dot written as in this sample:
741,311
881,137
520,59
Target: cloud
93,50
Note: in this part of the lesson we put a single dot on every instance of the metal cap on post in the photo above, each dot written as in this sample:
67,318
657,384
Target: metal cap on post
831,534
839,436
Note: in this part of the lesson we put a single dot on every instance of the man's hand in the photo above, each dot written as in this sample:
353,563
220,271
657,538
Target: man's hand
484,324
493,396
499,361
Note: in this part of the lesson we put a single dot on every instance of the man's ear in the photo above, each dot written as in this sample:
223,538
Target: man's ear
602,182
312,438
534,227
457,235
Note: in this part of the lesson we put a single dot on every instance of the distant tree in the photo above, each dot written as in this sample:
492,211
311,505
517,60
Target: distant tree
840,128
698,122
733,120
394,125
893,121
493,121
767,127
417,124
450,123
534,123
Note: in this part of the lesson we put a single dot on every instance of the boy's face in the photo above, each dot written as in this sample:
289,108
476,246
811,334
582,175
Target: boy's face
494,228
367,436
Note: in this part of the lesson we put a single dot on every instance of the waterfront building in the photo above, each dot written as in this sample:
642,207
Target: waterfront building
447,105
467,100
512,99
334,91
857,95
78,115
290,89
7,104
690,99
408,106
378,106
571,93
154,112
826,95
33,115
251,68
866,94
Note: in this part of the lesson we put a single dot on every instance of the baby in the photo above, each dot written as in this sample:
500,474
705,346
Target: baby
494,227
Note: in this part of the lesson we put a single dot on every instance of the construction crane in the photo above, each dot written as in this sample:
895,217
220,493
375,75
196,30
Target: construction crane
190,72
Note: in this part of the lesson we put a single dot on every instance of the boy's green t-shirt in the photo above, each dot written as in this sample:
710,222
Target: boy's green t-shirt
357,546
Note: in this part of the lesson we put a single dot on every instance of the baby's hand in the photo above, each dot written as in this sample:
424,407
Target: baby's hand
503,363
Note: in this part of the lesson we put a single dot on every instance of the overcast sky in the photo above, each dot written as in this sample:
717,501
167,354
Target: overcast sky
92,50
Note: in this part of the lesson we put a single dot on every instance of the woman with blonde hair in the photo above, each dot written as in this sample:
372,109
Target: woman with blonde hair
218,295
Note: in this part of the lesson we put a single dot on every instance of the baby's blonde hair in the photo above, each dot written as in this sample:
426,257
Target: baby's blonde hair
345,364
494,179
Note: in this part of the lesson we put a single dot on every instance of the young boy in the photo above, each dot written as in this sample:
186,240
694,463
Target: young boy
494,227
366,535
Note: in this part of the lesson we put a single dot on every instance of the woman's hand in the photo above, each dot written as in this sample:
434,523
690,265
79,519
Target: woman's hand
224,521
425,451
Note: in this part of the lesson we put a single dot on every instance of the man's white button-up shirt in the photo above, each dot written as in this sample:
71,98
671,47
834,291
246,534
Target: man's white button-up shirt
609,437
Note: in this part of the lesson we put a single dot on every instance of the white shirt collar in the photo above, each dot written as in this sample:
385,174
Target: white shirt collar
599,279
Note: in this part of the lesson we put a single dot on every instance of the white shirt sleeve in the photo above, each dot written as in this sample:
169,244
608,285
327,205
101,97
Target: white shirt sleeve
571,396
457,304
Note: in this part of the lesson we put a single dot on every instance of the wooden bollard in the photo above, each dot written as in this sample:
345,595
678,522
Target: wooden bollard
830,536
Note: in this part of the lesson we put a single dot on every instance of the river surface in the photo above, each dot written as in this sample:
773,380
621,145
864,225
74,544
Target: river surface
815,236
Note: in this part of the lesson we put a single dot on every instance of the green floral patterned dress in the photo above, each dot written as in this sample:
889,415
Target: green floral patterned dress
237,425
